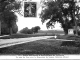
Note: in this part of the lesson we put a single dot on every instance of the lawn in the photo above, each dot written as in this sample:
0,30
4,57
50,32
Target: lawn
26,35
41,47
51,31
40,33
68,37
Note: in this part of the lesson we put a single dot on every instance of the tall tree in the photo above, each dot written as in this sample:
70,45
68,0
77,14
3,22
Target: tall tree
60,11
7,9
10,19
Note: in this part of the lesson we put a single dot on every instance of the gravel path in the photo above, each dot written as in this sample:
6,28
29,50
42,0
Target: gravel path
10,42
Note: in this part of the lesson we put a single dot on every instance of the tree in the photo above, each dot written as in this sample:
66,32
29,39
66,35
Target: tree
14,28
35,29
10,19
5,29
7,12
62,11
26,31
29,31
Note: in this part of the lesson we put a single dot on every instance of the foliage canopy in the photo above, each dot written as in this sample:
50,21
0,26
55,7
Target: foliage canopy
62,11
7,11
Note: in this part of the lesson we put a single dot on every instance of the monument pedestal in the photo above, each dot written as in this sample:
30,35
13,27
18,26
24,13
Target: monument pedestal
70,32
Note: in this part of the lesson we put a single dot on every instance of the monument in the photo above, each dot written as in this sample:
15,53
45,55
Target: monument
70,31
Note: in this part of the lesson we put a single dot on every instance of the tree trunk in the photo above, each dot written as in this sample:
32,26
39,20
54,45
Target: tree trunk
0,27
65,28
10,30
65,31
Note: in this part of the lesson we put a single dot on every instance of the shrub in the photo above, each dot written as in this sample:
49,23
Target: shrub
26,31
35,29
29,31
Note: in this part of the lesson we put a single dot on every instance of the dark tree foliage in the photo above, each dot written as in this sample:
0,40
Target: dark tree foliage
26,31
7,12
14,28
35,29
10,18
5,29
60,11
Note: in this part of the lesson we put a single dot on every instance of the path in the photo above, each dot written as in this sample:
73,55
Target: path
11,42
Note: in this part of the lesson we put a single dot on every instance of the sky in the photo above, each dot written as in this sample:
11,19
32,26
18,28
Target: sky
35,21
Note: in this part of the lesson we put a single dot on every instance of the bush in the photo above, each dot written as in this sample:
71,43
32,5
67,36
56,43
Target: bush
35,29
26,31
29,31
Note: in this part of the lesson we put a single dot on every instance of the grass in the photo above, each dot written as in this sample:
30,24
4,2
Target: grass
40,33
41,47
25,35
68,37
51,31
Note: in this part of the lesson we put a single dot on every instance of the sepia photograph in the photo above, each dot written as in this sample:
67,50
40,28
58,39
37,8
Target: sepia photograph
39,27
